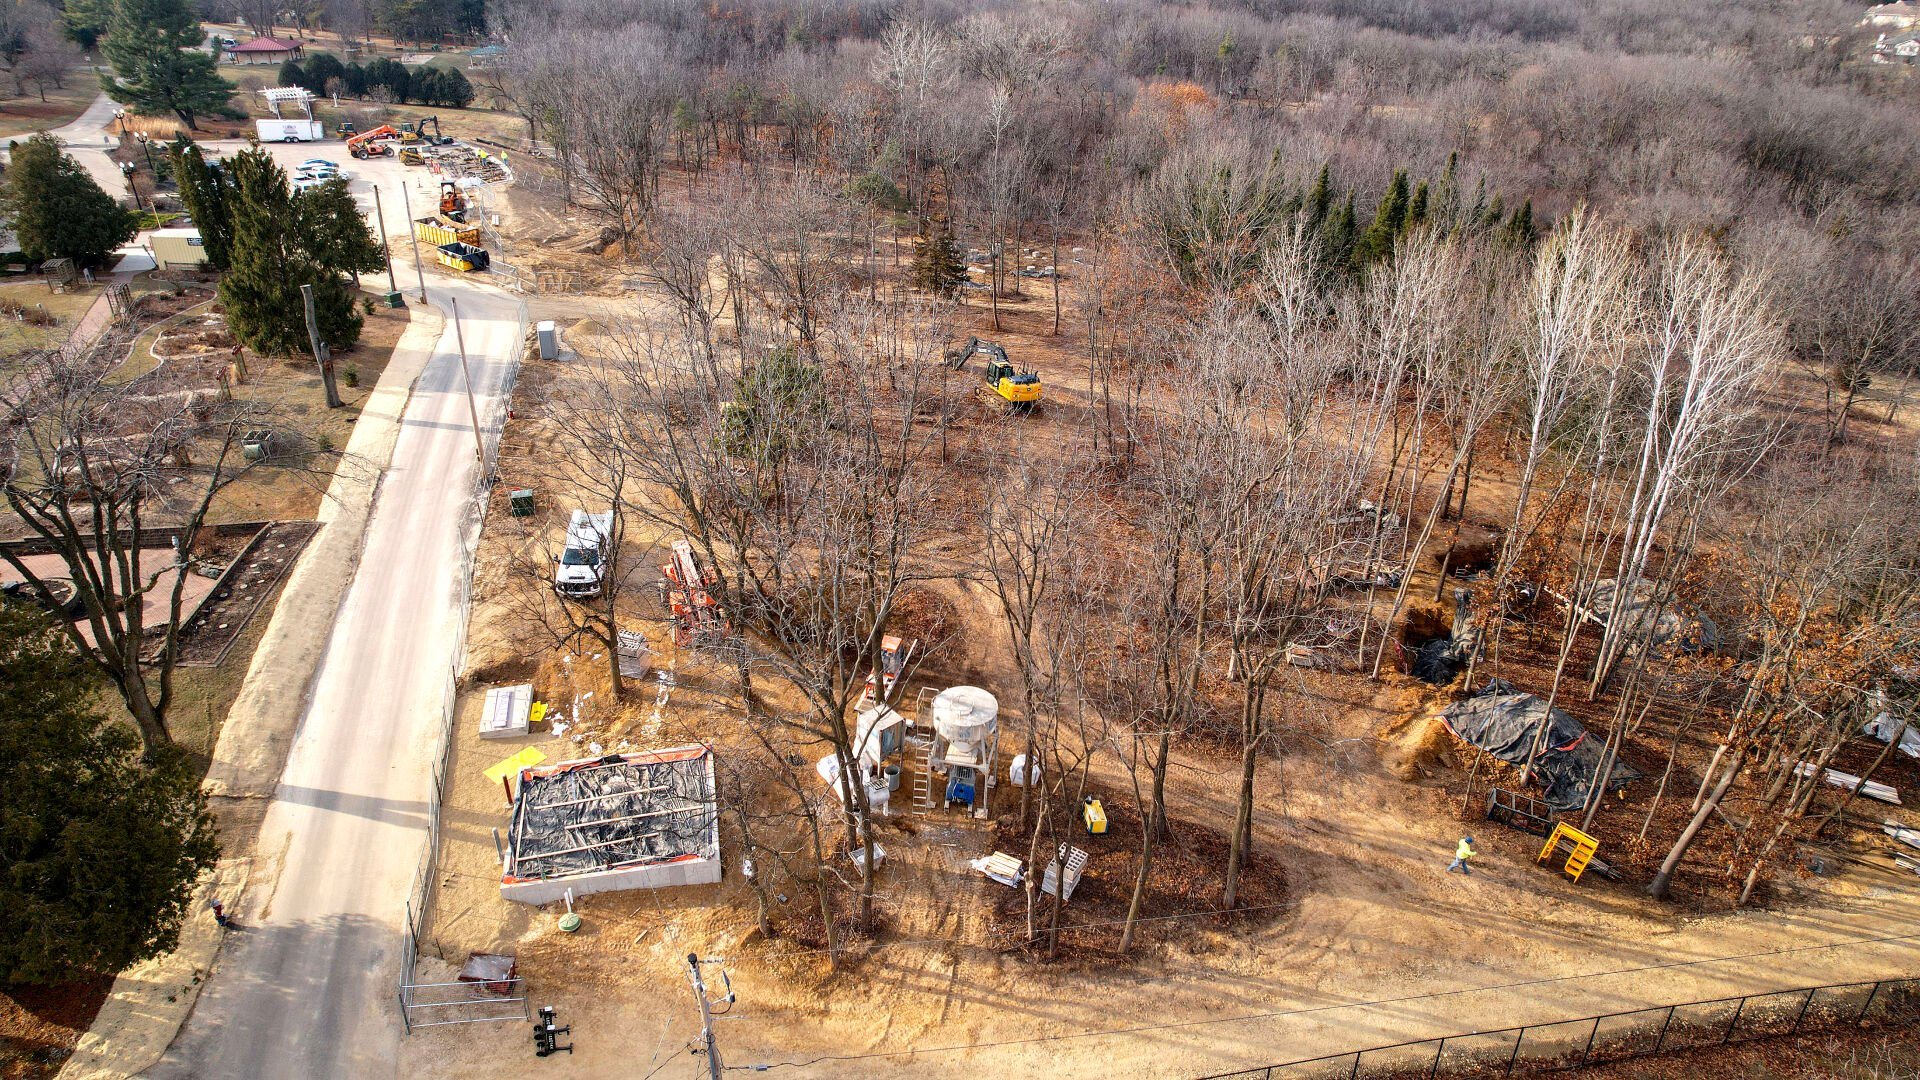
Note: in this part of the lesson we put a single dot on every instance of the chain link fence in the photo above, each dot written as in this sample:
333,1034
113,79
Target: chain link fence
474,1003
1612,1037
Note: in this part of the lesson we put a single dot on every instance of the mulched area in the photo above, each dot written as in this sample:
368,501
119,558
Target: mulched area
204,641
39,1025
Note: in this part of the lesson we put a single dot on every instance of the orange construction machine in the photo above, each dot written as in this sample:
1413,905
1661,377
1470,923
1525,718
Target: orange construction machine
696,615
368,143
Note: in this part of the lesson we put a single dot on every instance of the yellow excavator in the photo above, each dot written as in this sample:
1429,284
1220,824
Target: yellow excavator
1020,390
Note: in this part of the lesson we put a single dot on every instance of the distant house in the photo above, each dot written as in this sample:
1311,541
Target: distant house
264,50
1897,16
487,55
1904,48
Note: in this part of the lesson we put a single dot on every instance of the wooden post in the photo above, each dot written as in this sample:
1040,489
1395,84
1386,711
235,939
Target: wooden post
321,354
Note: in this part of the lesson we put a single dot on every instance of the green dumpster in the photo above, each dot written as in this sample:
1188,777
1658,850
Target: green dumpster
394,300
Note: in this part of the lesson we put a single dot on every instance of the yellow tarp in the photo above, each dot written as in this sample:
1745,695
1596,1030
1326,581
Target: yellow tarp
504,768
537,713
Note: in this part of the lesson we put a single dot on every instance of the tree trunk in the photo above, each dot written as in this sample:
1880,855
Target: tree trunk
1663,880
1239,844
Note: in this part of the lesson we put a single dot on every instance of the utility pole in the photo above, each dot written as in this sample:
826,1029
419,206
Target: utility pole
321,354
714,1068
418,266
466,379
385,248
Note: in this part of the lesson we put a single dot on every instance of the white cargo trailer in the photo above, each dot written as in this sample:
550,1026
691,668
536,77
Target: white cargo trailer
300,130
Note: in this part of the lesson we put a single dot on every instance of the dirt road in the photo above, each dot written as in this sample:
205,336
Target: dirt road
305,988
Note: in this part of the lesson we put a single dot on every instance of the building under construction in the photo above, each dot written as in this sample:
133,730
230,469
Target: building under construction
625,821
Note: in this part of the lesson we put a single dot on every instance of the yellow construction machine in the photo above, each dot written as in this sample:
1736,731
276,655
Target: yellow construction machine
1019,390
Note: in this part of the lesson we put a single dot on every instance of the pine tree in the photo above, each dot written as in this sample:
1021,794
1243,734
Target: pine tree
1320,199
455,89
1417,209
158,65
322,69
937,264
206,191
331,231
56,209
1337,239
86,20
1389,221
292,74
1519,230
267,266
100,853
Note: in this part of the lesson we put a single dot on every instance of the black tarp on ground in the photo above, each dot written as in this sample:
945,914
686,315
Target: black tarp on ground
1502,722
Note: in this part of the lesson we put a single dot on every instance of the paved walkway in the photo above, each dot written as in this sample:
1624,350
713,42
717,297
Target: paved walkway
149,1002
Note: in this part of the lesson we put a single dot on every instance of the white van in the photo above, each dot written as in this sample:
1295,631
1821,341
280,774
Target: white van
578,571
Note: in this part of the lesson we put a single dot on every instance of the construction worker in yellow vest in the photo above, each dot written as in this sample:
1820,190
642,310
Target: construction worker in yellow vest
1462,854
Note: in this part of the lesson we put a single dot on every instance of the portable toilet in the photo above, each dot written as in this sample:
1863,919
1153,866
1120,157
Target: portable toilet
878,733
549,336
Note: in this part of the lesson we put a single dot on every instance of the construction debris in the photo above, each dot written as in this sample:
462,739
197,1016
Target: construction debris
1002,868
625,821
1872,789
1650,614
1882,727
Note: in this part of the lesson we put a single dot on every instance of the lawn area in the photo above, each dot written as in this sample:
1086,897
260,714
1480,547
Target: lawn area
292,387
18,335
27,114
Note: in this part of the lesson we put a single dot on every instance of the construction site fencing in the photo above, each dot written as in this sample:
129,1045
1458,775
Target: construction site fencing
441,999
1612,1037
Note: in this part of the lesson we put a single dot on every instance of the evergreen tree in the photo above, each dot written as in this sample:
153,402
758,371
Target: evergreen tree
1389,221
292,74
356,79
1337,239
426,86
1519,230
56,209
1445,206
206,191
938,266
331,231
393,75
98,855
268,264
1417,209
455,89
323,68
158,65
85,21
1320,199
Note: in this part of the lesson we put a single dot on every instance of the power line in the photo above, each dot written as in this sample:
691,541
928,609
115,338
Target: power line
1310,1010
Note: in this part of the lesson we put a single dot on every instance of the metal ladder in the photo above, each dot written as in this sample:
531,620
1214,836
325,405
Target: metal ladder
923,783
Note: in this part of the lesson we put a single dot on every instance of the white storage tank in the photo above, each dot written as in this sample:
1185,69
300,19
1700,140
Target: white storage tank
964,718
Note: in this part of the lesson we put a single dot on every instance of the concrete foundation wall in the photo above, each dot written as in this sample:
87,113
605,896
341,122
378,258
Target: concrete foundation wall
660,876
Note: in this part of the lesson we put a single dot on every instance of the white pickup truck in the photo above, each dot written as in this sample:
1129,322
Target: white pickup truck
580,567
290,130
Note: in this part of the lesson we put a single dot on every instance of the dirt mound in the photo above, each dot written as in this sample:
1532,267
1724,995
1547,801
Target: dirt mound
1418,744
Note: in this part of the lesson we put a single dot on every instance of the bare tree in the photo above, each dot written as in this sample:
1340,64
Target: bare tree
104,474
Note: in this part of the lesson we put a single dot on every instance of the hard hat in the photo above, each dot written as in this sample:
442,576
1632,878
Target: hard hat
1469,839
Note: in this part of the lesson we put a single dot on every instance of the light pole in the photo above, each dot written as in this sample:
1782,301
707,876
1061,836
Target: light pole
146,144
127,168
